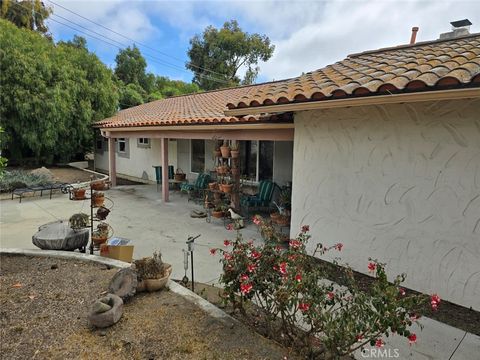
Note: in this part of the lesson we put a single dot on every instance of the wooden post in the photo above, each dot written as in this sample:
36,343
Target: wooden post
112,172
164,146
236,183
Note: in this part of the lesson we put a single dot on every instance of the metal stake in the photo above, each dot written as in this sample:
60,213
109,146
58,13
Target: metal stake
190,243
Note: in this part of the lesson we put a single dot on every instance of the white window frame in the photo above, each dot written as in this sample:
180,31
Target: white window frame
124,142
143,142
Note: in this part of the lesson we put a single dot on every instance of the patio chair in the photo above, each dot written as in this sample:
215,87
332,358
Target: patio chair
262,200
158,174
196,190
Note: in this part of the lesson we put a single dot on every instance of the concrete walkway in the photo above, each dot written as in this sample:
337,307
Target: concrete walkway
140,215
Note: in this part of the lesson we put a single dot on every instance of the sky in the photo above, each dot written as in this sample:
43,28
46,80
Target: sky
307,35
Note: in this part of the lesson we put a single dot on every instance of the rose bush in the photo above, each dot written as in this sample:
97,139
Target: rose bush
302,307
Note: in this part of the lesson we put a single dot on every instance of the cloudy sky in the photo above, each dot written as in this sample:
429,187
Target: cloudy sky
307,34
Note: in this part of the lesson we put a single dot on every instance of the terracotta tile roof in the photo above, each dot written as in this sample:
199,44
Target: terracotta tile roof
201,108
423,66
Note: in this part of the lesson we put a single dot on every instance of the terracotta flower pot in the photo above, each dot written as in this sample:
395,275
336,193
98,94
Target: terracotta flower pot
234,153
275,216
98,185
79,194
217,214
158,284
227,188
217,153
225,151
99,240
213,186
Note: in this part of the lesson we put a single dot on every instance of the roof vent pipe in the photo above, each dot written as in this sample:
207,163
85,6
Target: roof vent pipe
414,35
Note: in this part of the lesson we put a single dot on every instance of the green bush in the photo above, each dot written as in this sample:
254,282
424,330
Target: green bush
16,179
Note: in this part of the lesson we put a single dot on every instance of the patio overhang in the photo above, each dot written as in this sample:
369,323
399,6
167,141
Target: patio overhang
437,95
264,131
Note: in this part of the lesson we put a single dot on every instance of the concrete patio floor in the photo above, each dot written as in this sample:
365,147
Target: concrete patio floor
140,215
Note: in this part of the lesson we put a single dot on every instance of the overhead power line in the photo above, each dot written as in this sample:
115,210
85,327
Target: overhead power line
122,45
135,41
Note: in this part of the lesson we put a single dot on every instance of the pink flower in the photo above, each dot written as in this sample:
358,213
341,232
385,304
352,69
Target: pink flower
330,295
255,254
434,301
246,288
294,244
359,337
401,291
278,248
372,266
283,268
229,227
213,251
412,339
256,220
226,243
339,246
379,343
304,307
243,278
298,277
305,228
251,268
227,256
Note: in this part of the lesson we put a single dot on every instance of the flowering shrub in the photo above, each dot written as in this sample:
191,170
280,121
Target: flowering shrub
304,308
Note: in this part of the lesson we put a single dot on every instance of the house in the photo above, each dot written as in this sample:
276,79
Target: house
386,154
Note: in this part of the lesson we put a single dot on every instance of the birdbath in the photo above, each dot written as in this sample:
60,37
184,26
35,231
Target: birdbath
58,235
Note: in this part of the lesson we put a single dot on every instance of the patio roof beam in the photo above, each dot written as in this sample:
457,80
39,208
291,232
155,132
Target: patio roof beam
260,134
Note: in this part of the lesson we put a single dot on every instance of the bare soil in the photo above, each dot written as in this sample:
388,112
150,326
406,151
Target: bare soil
44,303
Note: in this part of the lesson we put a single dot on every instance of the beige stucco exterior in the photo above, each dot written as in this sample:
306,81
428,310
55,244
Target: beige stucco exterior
399,183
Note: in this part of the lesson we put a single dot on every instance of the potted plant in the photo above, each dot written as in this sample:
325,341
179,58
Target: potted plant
225,150
218,211
227,186
234,150
97,185
152,272
213,185
79,193
79,221
98,198
101,234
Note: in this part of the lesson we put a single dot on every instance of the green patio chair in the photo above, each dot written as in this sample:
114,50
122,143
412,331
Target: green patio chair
262,200
158,173
197,189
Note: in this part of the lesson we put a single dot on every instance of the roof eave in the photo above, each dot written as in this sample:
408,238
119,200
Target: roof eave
435,95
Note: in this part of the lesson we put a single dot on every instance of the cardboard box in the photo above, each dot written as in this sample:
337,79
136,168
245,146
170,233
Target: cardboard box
117,248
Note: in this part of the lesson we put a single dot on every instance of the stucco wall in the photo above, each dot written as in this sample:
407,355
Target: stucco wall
140,160
400,183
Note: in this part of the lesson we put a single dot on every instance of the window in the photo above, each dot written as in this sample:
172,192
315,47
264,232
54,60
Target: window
143,142
122,145
197,164
99,144
256,160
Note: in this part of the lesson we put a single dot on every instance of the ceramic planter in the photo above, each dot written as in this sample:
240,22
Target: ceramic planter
227,188
217,214
79,194
234,153
225,150
158,284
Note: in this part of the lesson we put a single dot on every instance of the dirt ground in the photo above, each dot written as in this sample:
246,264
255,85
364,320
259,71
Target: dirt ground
44,304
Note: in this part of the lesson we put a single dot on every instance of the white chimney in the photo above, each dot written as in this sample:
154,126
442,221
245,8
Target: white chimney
459,28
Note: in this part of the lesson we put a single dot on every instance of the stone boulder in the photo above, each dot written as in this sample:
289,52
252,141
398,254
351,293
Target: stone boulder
106,311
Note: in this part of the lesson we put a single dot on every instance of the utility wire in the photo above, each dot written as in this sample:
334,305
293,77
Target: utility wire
154,59
137,42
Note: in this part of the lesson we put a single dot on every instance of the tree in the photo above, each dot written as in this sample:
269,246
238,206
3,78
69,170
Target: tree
131,66
131,95
30,14
224,52
51,94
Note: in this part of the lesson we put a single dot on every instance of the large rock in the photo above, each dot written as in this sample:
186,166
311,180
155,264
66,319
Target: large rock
43,171
124,284
109,317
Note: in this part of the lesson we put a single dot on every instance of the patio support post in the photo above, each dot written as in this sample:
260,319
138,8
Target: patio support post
112,173
164,145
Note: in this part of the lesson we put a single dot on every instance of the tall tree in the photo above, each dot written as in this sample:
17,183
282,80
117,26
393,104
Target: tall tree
51,94
30,14
130,66
224,52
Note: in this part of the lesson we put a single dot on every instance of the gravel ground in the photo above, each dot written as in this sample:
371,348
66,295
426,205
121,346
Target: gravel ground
44,304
